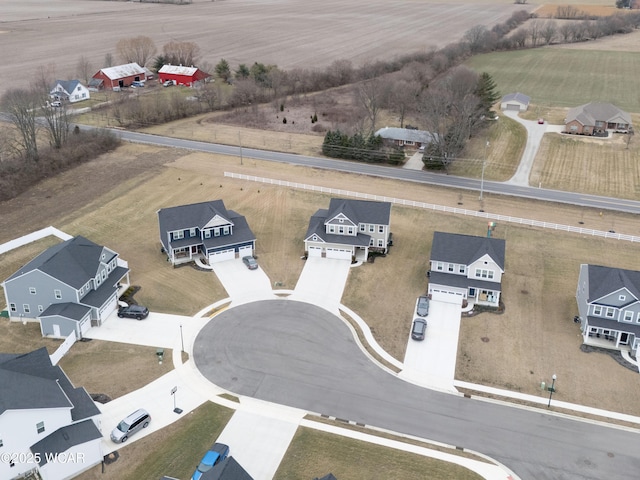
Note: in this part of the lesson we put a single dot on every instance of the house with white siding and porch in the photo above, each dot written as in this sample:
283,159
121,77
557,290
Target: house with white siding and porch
206,231
349,229
44,418
609,307
68,287
466,267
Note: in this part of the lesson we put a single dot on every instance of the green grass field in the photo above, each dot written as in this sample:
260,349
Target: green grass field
564,77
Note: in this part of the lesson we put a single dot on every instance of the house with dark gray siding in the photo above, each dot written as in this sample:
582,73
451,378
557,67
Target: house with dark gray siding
349,229
609,307
42,415
466,267
68,287
204,231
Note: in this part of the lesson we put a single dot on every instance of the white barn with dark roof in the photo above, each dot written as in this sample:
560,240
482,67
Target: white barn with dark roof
515,101
206,231
349,229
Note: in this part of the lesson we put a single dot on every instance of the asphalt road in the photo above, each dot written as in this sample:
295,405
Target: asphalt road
300,355
592,201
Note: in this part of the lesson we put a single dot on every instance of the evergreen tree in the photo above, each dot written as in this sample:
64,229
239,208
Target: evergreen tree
487,92
223,70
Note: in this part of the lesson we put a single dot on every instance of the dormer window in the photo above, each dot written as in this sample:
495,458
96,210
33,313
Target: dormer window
192,232
622,298
226,231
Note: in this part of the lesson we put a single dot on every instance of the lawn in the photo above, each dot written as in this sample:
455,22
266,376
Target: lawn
313,454
564,77
173,451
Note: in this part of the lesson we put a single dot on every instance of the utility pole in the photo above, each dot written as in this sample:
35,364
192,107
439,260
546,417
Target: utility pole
484,164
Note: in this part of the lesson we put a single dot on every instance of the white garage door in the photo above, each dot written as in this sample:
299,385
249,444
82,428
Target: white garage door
85,325
110,307
513,106
246,251
339,253
315,251
222,255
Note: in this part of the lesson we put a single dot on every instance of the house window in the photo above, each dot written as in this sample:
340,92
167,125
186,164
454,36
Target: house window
482,273
40,308
597,310
622,298
216,232
26,308
638,318
103,256
350,231
332,229
610,312
178,234
192,232
207,234
380,228
451,267
371,242
104,275
1,443
341,229
226,230
12,307
363,227
628,316
40,427
439,266
32,290
372,228
461,269
341,220
57,293
381,242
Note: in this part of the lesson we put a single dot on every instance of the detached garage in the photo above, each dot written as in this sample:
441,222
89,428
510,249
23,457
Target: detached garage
518,102
60,319
179,75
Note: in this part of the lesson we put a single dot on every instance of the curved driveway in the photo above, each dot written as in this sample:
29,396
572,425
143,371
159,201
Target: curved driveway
300,355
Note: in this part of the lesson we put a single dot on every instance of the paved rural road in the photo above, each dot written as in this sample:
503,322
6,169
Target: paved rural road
593,201
300,355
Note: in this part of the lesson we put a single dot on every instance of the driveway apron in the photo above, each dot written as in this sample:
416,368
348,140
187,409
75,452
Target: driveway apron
322,282
243,285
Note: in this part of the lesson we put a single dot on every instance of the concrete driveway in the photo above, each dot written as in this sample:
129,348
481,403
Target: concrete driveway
432,361
535,133
243,285
322,282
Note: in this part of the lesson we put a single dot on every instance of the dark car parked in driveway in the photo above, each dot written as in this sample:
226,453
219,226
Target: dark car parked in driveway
250,262
419,328
133,311
423,306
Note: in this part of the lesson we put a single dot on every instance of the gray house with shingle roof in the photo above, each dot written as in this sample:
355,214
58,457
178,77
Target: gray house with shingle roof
227,469
466,267
69,90
206,231
42,414
518,102
349,229
402,137
68,287
597,118
609,307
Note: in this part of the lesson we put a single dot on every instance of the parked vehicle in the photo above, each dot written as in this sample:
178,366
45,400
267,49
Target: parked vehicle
419,329
423,306
541,121
56,103
215,455
137,84
133,311
132,424
168,83
250,262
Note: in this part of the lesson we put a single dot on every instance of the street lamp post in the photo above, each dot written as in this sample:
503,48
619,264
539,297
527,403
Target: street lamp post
552,388
181,338
484,164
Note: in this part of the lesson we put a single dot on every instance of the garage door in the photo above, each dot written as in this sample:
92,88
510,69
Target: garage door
513,106
315,251
85,325
245,251
110,307
339,253
222,255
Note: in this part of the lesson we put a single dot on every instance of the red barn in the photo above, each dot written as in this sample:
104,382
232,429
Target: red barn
120,76
180,75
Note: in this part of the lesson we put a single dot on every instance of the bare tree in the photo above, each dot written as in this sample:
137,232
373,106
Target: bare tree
370,97
208,94
84,70
548,31
534,33
404,96
108,60
136,49
566,32
21,106
341,72
181,53
479,39
56,119
519,37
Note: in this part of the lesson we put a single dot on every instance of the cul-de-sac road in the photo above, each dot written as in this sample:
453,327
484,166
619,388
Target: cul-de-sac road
298,354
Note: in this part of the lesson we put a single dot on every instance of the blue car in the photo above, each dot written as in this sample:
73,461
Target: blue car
215,455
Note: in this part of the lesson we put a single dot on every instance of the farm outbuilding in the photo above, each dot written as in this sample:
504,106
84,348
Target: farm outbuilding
118,77
179,75
518,102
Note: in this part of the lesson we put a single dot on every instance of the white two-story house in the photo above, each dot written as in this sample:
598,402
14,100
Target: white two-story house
349,229
46,424
609,307
466,267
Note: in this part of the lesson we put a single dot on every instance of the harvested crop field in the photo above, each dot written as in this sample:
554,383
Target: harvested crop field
287,33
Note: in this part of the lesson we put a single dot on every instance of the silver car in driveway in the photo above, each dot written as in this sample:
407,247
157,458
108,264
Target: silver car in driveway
133,423
422,309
